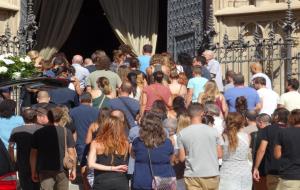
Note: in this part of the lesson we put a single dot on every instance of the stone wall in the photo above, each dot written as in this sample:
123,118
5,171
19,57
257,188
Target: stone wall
9,14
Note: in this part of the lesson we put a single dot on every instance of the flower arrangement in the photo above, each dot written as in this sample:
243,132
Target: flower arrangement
16,67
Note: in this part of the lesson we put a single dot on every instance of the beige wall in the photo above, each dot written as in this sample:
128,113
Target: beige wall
9,14
232,15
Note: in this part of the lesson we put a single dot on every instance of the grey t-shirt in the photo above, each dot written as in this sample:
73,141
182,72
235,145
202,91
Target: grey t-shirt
200,144
113,78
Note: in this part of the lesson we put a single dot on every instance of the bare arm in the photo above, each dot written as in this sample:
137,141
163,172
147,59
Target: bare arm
258,107
219,151
189,96
259,156
181,155
224,106
277,151
143,103
89,134
11,152
72,153
33,161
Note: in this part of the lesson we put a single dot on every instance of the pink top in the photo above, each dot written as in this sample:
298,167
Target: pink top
156,92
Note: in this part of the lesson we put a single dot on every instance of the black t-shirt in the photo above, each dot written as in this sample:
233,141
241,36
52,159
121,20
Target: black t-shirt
289,140
5,163
22,136
270,134
49,142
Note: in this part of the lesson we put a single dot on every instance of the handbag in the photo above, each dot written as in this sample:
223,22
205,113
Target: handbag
161,183
69,162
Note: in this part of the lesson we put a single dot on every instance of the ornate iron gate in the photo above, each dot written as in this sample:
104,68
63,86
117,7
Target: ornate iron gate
276,53
185,26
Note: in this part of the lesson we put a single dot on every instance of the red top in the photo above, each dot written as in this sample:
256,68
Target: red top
156,92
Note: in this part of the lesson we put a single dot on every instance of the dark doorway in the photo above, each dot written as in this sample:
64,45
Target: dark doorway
162,26
91,31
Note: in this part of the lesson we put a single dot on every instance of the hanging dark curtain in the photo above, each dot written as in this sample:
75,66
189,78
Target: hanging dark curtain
135,22
56,19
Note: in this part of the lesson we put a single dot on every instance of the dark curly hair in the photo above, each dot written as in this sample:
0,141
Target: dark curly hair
151,131
7,108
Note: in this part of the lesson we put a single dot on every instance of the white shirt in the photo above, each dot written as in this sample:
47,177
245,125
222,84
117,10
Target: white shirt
81,73
290,100
214,67
268,81
269,100
219,125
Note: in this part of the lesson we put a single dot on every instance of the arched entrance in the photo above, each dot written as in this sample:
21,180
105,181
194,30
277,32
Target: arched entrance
90,32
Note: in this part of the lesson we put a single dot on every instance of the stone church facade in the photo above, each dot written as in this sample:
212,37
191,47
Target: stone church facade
9,15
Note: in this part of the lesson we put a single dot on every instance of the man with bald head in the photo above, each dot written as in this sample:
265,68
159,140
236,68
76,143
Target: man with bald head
214,68
81,73
43,100
257,71
128,105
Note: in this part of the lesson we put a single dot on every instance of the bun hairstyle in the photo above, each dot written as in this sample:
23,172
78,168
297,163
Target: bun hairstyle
104,85
241,105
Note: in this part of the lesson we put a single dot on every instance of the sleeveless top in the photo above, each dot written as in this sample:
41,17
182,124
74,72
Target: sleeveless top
110,160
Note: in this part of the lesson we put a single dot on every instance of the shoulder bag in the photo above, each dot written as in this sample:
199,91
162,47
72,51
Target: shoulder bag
161,183
69,162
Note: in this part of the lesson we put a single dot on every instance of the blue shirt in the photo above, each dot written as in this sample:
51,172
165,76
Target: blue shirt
249,93
197,84
144,62
6,127
82,117
128,105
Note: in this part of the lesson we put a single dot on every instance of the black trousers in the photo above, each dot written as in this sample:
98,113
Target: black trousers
26,183
112,183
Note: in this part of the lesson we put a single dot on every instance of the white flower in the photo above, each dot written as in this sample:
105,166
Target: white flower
16,75
22,69
8,61
27,59
8,55
3,70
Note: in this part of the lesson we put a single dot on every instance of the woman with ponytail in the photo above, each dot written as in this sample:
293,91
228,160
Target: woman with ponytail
235,173
102,95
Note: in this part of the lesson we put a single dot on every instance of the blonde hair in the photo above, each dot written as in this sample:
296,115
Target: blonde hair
65,119
183,121
211,92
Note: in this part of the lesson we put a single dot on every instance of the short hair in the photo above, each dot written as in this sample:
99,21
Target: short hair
238,79
201,59
229,73
133,62
43,94
97,54
103,63
280,115
251,115
263,117
260,80
86,97
126,87
147,48
294,118
57,113
294,83
158,76
29,115
7,108
197,69
125,48
195,109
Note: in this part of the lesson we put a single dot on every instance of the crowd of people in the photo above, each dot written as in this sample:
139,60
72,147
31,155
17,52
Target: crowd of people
138,122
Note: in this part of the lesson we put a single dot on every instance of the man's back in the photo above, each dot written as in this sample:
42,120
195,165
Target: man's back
200,143
128,105
197,84
144,62
269,100
214,67
290,100
249,93
113,78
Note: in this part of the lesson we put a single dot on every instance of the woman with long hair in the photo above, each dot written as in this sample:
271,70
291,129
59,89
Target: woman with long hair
212,94
153,143
108,156
138,82
102,95
235,172
241,105
123,72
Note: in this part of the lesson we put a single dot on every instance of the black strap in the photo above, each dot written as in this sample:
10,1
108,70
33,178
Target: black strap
151,169
127,107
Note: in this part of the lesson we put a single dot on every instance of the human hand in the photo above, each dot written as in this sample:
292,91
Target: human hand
72,175
256,176
35,177
120,168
